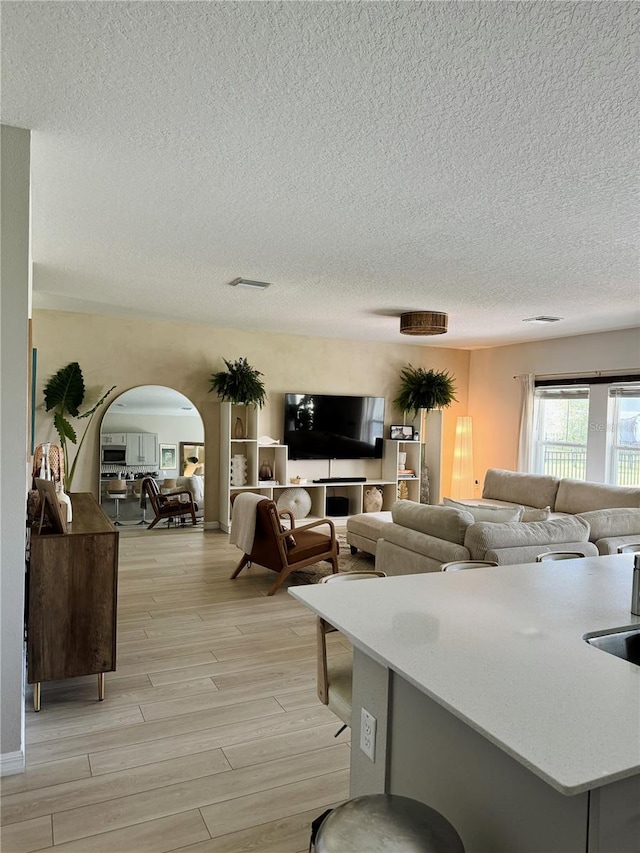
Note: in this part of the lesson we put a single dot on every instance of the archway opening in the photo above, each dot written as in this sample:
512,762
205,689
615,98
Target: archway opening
147,431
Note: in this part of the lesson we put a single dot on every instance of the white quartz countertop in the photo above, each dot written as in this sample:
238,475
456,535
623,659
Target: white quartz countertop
502,648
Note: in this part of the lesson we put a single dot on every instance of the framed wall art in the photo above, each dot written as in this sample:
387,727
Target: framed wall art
401,432
168,456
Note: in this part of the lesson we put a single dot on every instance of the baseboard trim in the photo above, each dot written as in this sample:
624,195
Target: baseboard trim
211,525
11,763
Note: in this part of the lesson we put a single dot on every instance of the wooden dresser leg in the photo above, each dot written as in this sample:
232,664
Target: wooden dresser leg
36,696
100,686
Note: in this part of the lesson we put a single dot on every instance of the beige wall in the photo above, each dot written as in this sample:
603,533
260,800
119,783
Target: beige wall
131,352
494,395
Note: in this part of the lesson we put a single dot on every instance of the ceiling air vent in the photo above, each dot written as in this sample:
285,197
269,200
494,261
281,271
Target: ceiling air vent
542,319
252,285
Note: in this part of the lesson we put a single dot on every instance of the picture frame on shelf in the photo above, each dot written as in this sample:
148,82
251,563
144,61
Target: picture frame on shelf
168,456
401,432
51,509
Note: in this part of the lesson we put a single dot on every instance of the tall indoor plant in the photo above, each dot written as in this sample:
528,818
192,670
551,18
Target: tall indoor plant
64,394
420,392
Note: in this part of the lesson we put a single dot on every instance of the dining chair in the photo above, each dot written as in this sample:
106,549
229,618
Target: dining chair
461,565
630,548
558,555
335,674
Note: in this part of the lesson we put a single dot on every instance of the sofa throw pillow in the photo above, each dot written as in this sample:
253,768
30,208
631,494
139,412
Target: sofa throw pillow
535,514
289,540
496,514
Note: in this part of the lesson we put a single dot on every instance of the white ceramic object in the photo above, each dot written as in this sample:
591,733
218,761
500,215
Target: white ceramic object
296,500
372,500
238,470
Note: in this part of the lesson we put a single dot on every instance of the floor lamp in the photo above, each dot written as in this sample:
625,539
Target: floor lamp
462,474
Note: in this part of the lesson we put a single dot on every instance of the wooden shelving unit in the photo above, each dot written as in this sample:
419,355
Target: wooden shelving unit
277,456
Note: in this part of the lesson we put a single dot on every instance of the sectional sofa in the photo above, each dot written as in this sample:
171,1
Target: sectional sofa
518,517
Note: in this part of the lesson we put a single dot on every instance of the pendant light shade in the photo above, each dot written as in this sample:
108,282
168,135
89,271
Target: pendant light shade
423,323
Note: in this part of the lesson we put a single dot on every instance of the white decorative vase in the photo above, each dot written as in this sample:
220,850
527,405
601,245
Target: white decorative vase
65,502
238,470
372,500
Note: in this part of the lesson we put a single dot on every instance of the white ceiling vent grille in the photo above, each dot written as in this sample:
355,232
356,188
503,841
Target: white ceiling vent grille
542,319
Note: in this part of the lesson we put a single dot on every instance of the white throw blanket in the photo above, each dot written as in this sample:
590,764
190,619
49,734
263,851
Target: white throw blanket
243,520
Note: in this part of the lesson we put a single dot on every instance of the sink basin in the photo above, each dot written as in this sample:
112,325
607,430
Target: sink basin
622,642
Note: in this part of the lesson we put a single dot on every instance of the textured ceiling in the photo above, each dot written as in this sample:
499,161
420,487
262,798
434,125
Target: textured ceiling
366,158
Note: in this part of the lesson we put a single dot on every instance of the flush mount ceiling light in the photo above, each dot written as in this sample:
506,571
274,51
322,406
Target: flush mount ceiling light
423,323
252,285
542,320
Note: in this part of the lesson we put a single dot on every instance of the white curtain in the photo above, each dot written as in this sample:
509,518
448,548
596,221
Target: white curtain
527,387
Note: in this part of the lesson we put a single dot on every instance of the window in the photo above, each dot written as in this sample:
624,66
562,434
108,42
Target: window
588,431
561,418
624,424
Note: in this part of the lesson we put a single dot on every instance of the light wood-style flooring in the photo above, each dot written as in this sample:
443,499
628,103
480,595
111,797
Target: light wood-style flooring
210,738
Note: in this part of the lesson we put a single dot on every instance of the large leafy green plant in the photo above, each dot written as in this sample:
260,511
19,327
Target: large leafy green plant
239,383
424,389
64,394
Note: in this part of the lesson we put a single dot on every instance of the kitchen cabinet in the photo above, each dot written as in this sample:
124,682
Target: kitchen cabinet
142,448
72,581
119,439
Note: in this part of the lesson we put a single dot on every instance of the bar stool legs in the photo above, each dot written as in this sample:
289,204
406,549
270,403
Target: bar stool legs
386,823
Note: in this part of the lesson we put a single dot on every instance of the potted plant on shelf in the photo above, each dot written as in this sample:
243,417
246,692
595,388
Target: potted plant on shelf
420,392
64,394
241,384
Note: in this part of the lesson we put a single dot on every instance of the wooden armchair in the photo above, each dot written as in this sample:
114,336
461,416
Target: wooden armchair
287,550
175,505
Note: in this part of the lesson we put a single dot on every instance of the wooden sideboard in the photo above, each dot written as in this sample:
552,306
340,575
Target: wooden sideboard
72,585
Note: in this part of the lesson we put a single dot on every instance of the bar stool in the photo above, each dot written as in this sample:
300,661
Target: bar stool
117,491
386,823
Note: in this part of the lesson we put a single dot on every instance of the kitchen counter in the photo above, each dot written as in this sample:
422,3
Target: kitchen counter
501,650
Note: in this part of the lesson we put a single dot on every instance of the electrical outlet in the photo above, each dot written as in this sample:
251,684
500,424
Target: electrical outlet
368,734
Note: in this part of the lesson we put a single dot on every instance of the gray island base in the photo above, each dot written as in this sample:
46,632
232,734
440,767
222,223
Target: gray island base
490,706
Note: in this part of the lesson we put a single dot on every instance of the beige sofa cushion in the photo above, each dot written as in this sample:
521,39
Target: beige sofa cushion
579,496
528,513
534,490
618,521
486,512
484,536
421,543
442,522
610,544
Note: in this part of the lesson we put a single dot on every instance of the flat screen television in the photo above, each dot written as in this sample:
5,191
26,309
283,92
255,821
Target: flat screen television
328,426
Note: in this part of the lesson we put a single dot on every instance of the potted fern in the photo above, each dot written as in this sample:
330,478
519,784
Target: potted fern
64,394
422,389
239,383
420,392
